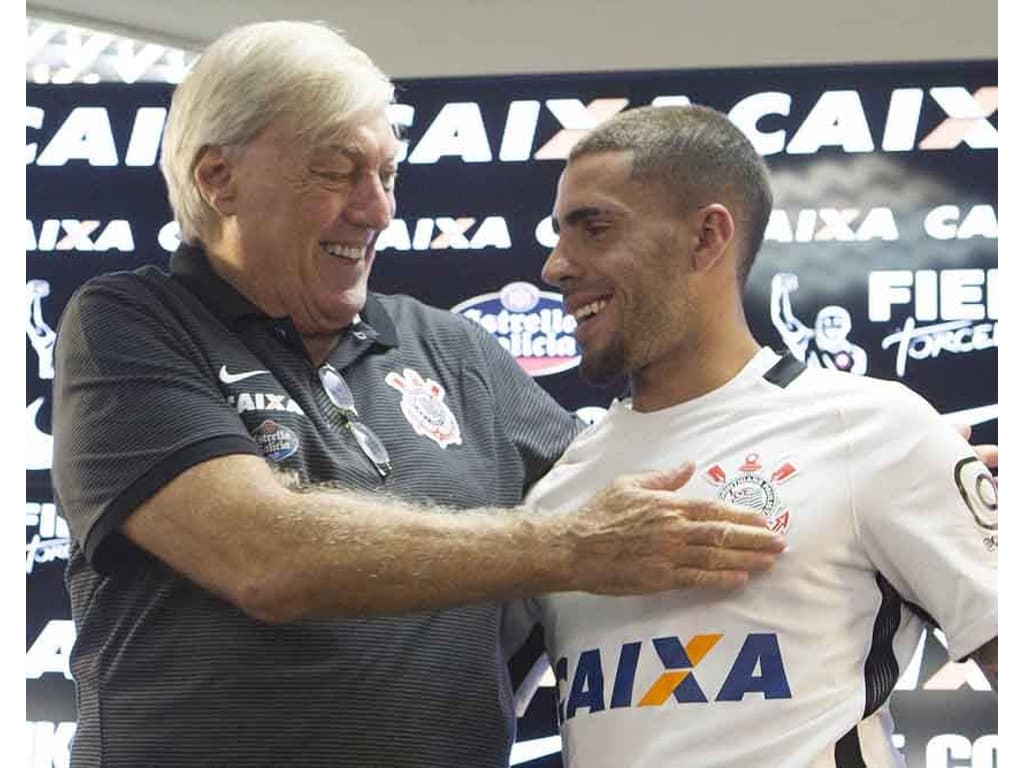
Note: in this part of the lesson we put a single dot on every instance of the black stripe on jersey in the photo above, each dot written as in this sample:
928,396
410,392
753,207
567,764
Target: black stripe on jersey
881,671
783,372
848,754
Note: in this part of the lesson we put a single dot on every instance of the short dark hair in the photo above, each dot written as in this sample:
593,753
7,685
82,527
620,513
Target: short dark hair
693,151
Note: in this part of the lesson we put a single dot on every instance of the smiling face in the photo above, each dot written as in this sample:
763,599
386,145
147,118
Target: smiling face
301,222
622,265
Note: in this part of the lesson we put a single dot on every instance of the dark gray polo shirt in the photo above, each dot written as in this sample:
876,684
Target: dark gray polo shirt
156,373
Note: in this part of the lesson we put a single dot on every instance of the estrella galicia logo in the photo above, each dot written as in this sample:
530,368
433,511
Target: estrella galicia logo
276,441
530,323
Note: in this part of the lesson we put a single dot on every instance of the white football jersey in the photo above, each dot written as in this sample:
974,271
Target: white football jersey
888,516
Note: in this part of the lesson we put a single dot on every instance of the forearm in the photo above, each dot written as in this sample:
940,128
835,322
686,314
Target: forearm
232,527
349,554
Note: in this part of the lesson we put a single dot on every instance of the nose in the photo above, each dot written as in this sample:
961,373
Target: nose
558,266
370,204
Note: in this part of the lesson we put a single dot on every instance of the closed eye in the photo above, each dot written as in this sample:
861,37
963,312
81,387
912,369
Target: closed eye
388,178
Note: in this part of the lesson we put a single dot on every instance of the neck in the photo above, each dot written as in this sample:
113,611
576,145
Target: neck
318,346
230,270
697,366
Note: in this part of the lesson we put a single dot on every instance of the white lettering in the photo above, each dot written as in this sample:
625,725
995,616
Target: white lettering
85,135
49,744
421,237
945,747
955,337
993,293
958,293
926,294
941,223
492,233
147,131
878,224
980,221
169,236
961,293
401,116
749,111
985,751
33,119
975,129
45,516
130,65
545,233
954,675
520,130
458,130
51,650
778,229
670,101
576,120
837,119
885,288
836,224
452,233
902,120
395,236
117,235
805,223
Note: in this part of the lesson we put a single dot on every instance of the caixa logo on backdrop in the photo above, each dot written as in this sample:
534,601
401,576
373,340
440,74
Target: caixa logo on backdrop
530,323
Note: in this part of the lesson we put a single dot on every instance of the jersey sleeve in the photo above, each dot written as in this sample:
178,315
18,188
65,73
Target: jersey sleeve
540,428
133,407
926,511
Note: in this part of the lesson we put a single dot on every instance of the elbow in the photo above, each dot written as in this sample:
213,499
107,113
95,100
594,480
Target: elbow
269,599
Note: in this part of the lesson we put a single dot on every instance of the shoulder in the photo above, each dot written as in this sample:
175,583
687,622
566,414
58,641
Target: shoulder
114,290
866,408
434,326
119,309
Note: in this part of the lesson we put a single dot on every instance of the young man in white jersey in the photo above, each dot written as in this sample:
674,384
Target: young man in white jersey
890,518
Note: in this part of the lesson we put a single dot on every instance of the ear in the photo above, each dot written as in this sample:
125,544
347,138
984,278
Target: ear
714,234
215,181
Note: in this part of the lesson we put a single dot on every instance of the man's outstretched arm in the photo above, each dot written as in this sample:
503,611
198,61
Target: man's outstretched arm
229,525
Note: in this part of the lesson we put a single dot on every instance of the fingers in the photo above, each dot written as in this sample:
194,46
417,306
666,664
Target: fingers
729,536
712,558
667,480
989,455
698,510
695,577
962,428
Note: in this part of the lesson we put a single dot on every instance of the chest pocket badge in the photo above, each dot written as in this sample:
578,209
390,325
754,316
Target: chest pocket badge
424,408
276,441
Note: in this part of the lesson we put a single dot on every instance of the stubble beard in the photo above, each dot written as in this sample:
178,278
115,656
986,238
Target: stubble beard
604,365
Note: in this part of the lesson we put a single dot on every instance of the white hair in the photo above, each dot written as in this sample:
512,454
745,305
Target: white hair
303,73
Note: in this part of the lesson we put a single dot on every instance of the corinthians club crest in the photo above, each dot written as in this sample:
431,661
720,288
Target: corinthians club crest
424,408
751,488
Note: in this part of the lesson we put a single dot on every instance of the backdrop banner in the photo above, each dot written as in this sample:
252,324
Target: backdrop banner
879,259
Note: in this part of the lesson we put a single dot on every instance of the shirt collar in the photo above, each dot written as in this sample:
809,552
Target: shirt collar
190,264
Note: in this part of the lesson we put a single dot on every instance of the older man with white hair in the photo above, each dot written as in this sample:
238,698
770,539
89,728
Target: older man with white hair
289,496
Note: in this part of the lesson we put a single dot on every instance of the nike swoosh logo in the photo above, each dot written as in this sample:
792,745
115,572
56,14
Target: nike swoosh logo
233,378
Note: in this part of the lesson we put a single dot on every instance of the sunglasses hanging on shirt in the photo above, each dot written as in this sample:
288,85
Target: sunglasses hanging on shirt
340,395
